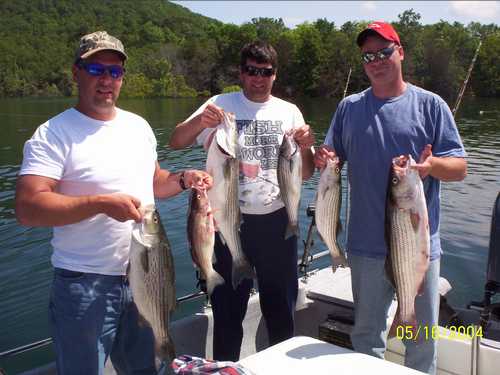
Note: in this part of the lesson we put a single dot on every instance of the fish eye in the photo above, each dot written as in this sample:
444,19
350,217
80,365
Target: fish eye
337,170
395,180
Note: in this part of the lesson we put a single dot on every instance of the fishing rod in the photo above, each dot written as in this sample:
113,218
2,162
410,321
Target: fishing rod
464,85
45,342
309,242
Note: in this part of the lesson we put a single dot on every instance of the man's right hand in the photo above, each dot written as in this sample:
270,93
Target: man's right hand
121,207
211,116
321,156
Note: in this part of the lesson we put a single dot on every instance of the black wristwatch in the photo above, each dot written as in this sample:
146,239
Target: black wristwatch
181,181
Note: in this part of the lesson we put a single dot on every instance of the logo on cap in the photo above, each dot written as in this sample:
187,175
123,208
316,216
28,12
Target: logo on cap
383,29
99,41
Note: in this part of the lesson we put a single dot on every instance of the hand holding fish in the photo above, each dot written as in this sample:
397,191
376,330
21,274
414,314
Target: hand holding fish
121,207
304,136
211,116
197,179
424,165
322,155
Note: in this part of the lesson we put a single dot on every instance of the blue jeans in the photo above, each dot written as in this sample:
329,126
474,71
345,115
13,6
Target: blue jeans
373,295
93,317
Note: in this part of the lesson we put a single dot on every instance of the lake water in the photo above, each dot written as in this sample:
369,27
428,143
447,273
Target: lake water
25,252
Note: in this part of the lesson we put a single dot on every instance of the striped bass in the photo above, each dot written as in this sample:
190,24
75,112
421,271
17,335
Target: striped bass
223,166
290,181
201,236
408,236
152,278
327,212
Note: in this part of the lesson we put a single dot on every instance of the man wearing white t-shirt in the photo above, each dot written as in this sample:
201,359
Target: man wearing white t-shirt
86,172
262,120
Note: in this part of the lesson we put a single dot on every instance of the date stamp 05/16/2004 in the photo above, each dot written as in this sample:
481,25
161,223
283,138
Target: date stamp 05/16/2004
422,332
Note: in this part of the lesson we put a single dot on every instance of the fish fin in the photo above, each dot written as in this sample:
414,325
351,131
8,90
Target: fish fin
127,272
323,240
291,230
394,326
422,265
415,220
165,350
214,279
407,324
241,270
339,261
137,237
222,239
407,318
142,321
144,257
339,227
420,289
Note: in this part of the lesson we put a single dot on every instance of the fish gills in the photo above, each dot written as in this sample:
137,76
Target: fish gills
290,181
327,211
152,279
201,235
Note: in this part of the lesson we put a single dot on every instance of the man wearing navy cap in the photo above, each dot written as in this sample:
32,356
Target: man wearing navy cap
368,130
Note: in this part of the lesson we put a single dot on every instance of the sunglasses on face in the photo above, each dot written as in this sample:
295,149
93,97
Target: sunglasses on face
254,71
382,54
97,70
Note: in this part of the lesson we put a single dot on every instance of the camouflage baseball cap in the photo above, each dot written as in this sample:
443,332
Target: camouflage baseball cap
99,41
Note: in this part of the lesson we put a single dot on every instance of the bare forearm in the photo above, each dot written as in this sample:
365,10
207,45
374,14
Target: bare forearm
50,209
448,168
185,133
166,184
307,163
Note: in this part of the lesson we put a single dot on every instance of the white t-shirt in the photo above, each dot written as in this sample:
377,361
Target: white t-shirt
261,127
90,157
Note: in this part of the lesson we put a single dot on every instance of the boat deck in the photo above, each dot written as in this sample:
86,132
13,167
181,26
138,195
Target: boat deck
321,294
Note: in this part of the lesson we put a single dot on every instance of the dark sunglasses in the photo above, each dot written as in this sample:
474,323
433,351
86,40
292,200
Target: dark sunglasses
97,70
382,54
254,71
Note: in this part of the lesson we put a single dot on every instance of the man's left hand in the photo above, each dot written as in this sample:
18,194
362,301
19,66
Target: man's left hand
424,164
197,179
304,136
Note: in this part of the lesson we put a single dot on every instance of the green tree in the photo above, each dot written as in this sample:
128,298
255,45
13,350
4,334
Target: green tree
486,77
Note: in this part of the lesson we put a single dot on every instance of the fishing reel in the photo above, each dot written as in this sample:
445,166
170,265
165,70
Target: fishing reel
490,311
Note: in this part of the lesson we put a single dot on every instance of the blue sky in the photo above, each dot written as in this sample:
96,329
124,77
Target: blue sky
296,12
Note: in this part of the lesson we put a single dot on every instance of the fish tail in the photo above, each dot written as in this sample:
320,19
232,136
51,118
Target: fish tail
291,230
338,260
241,270
407,315
214,279
165,350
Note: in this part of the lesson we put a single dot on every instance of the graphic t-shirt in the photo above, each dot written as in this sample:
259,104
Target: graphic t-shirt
261,127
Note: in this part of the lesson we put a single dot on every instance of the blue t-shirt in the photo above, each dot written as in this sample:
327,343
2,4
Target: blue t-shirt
368,132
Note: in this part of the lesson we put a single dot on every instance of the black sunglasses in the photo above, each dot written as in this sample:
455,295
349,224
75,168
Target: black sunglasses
382,54
97,70
254,71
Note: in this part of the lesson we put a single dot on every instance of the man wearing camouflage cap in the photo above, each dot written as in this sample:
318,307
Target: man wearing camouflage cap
86,172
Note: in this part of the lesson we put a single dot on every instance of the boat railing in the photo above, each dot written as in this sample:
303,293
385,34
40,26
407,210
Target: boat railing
303,265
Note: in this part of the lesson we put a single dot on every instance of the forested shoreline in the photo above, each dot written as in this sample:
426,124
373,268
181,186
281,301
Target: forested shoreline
176,53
